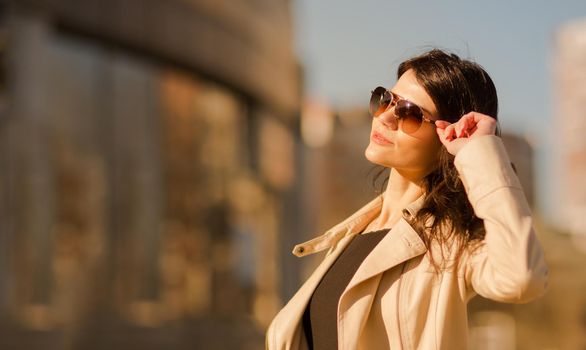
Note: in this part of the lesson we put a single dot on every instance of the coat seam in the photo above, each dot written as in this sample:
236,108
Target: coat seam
436,309
402,333
340,329
488,193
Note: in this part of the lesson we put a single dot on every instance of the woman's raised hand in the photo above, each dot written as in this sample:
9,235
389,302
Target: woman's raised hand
457,135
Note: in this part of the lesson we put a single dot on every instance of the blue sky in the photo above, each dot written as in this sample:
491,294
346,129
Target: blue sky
348,46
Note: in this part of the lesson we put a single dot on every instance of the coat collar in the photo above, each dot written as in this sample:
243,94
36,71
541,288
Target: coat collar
353,225
399,245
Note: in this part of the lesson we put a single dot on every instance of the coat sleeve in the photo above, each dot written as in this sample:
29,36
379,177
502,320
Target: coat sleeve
508,265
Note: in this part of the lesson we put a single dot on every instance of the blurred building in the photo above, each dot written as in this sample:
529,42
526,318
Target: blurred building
337,170
570,119
147,172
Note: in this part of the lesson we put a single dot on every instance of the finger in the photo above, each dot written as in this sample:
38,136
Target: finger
465,124
485,124
450,132
479,117
470,125
442,136
441,124
440,132
459,126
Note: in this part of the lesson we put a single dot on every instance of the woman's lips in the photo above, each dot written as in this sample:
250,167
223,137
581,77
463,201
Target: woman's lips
379,139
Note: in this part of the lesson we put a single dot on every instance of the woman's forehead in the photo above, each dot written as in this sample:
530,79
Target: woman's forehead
409,88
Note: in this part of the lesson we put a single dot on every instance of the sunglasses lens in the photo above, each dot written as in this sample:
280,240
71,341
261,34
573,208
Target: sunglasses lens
410,115
379,101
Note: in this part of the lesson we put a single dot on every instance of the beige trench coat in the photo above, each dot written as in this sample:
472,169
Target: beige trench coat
396,300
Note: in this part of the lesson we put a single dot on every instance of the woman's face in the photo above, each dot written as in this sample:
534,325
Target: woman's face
413,155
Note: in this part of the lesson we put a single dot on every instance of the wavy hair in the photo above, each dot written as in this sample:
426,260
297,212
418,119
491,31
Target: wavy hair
456,86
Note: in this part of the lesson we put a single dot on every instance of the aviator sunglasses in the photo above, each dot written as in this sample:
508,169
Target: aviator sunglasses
409,115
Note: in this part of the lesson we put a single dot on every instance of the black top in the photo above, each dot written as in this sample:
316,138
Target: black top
320,317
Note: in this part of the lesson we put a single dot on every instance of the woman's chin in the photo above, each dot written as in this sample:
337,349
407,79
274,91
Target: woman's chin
374,156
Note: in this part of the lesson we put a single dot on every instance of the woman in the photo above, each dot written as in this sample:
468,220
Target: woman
453,222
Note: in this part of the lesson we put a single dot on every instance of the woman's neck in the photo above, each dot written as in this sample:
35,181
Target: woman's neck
400,192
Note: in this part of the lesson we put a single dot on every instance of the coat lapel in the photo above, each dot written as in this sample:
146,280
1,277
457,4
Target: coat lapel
399,245
290,323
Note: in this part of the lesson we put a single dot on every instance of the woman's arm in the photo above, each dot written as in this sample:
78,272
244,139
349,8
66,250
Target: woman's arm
509,265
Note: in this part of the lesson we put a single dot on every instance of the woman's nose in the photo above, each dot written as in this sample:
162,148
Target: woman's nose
389,119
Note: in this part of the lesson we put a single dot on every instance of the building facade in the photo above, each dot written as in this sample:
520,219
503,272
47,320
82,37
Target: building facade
570,121
148,153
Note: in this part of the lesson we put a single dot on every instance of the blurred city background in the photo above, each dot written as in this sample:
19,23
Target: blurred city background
160,158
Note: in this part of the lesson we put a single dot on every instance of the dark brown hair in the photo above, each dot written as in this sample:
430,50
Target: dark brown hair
456,86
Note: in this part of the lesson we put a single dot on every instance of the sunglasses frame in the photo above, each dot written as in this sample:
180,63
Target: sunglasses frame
393,103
